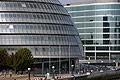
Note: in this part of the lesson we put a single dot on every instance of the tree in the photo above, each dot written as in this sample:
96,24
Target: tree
3,56
21,60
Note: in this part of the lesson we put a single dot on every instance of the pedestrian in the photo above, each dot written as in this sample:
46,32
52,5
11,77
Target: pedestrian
10,74
5,74
0,73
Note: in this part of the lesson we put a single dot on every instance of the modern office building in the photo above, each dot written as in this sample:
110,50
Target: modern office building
98,24
44,27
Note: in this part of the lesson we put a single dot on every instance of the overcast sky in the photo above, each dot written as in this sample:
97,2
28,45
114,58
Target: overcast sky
70,1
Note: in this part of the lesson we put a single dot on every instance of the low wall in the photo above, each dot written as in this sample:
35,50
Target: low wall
93,75
106,73
75,78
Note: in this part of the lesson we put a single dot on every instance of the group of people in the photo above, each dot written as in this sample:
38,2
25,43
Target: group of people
5,73
86,70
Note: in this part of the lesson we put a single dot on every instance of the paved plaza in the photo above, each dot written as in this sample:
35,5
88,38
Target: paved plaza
17,77
24,77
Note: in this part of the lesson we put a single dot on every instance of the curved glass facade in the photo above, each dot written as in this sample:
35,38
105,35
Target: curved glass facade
99,29
43,26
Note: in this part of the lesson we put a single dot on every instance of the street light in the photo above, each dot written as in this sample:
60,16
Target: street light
101,61
53,67
72,69
101,64
113,63
88,62
88,65
29,73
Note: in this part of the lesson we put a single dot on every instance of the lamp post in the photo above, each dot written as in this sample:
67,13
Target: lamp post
101,61
72,69
53,67
101,65
113,63
88,66
29,73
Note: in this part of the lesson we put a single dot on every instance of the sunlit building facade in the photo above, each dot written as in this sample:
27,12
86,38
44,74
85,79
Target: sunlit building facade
98,24
44,27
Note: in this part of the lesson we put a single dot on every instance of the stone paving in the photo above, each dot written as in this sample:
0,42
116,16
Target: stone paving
24,77
17,77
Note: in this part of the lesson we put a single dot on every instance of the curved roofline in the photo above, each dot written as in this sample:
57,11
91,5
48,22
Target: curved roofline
93,1
75,5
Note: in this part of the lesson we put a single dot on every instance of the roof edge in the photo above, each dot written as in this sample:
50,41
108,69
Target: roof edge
92,1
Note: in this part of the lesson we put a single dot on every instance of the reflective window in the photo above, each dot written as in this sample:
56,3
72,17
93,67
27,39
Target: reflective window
23,5
102,55
105,18
106,35
90,48
105,24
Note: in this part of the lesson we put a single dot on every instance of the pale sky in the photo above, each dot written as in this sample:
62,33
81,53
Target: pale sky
70,1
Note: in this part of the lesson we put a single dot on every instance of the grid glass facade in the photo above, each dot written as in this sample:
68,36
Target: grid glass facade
99,29
43,26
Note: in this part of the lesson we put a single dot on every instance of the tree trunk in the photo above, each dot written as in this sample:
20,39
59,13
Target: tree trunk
15,71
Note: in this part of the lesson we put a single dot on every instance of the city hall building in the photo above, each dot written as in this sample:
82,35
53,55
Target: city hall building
44,27
98,24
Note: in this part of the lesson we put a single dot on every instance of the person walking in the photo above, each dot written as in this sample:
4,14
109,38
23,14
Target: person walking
10,74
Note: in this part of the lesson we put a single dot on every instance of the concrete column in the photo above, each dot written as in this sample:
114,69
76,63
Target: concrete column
95,52
109,56
84,52
42,68
95,55
49,58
